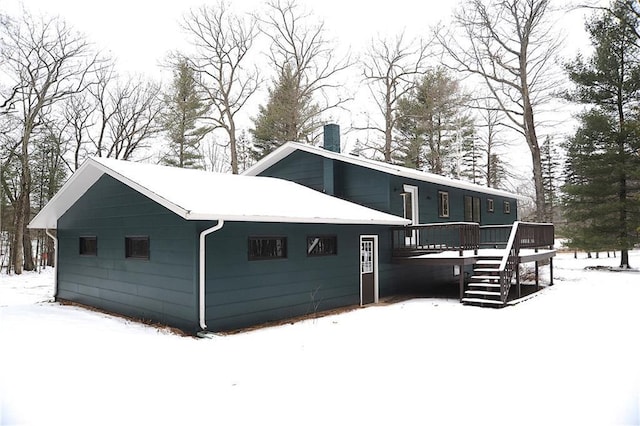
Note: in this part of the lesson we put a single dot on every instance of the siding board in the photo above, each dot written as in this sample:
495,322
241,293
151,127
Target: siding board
161,289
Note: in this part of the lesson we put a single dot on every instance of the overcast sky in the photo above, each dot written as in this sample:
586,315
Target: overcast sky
139,33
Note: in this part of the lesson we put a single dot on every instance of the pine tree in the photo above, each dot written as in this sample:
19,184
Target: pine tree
471,162
431,118
602,199
184,108
550,176
288,115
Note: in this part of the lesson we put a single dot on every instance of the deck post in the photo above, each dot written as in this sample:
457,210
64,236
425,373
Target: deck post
518,280
550,271
537,285
461,282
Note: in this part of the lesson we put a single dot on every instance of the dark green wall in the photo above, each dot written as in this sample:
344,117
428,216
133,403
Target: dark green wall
382,191
242,292
161,289
301,167
428,199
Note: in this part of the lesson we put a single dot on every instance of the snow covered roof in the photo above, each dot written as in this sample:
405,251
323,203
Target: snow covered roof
290,147
201,195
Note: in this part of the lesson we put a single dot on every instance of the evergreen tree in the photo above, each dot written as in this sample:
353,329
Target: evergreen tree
288,115
550,176
472,154
183,110
603,181
431,119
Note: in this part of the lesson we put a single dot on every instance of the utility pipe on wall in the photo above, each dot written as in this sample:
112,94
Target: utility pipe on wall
202,269
55,253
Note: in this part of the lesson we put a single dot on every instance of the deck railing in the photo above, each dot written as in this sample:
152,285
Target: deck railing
523,235
435,238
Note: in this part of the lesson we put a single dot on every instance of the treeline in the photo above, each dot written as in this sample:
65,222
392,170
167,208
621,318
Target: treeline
61,101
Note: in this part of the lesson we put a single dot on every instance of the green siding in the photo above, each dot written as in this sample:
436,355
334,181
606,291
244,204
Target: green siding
300,167
428,203
242,293
161,289
363,186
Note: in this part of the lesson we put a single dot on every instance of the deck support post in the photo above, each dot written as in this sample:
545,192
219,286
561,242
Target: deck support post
461,282
537,284
518,280
550,271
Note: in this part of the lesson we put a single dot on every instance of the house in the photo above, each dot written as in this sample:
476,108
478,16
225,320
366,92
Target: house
305,230
206,251
448,218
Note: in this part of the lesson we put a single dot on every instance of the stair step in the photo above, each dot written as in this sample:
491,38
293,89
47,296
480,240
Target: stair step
487,285
485,277
475,301
488,261
486,270
482,293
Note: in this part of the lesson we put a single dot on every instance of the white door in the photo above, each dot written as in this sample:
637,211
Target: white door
411,212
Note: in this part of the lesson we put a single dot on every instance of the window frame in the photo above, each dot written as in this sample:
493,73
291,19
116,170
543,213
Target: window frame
284,255
334,245
82,249
443,204
491,208
506,206
128,247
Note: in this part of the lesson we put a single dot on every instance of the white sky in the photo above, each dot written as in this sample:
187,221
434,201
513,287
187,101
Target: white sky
139,33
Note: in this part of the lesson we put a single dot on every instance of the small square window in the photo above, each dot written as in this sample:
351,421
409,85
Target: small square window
507,207
443,204
263,248
490,206
322,245
88,246
136,247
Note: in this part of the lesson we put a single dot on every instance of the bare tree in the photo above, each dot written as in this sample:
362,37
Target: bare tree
135,119
222,41
509,44
299,48
390,68
44,62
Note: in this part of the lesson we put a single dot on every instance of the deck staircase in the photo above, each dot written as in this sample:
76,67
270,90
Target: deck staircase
483,287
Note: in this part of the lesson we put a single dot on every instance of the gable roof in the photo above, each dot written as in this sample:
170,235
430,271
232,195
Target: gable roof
392,169
201,195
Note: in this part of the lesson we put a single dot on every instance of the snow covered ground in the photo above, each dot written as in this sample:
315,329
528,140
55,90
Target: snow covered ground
569,356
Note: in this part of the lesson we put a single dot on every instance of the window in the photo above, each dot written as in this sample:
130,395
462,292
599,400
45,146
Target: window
88,246
443,204
507,207
322,245
136,247
267,248
490,207
471,209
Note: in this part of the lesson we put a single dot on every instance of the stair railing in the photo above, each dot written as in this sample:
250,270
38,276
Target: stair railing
509,262
523,235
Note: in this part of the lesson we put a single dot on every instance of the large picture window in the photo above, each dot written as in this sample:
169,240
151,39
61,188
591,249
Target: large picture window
136,247
88,246
443,204
262,248
326,245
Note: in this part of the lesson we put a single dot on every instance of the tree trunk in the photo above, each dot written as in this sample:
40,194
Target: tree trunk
233,146
27,247
17,253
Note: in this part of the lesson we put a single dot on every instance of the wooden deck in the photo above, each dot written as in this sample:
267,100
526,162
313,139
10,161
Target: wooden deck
470,257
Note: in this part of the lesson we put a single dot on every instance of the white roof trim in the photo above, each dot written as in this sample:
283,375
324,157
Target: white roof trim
290,147
199,195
